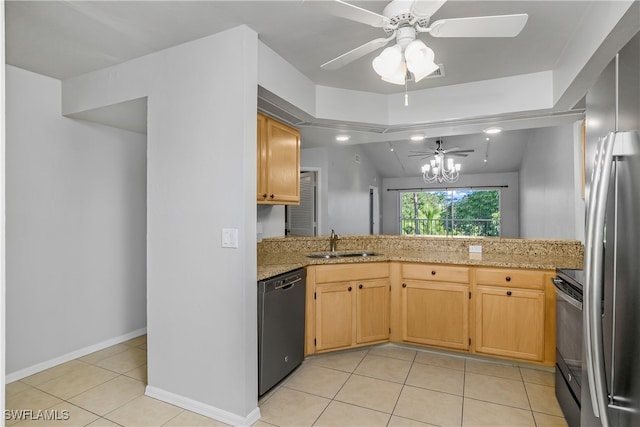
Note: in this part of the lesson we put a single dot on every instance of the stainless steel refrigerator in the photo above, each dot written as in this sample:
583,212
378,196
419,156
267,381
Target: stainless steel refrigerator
611,367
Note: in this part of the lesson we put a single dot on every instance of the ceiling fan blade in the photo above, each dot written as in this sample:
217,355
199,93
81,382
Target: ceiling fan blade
354,54
426,8
480,26
349,11
453,151
458,154
421,155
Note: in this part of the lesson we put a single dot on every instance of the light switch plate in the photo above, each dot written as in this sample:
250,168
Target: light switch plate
229,237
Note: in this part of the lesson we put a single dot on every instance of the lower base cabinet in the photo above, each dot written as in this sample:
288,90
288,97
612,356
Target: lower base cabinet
349,313
372,311
334,315
435,314
511,311
510,322
502,312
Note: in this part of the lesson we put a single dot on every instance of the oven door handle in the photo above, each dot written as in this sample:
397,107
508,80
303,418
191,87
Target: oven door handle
564,296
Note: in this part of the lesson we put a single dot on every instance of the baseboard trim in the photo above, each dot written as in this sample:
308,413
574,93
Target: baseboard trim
22,373
202,408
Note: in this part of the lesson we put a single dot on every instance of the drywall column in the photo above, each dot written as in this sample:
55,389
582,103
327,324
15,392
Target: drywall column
201,298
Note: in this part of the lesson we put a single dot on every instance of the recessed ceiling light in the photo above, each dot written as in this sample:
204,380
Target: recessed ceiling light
492,130
342,138
418,138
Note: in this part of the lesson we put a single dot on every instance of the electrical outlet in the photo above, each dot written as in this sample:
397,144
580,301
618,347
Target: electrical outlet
475,249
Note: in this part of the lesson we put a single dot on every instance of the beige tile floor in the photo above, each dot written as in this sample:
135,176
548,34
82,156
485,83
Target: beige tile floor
377,386
398,386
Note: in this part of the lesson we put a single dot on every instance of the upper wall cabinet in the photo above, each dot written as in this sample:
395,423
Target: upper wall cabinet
278,163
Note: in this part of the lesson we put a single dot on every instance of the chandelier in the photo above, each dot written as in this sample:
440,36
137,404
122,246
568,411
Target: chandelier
440,169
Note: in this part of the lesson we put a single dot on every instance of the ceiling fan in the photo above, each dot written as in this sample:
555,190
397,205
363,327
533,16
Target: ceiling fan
440,151
403,20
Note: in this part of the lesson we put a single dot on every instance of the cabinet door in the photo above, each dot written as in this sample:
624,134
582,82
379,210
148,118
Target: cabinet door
435,314
510,322
334,315
283,172
372,309
262,159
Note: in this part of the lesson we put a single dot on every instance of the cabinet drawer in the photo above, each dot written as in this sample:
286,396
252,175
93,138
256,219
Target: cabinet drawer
355,271
511,278
435,273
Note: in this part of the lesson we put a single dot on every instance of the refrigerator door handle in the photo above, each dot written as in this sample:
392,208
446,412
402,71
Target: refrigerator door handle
594,278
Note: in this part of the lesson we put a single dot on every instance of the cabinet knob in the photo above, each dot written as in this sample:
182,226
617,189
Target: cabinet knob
272,196
433,272
508,278
349,289
264,196
508,293
404,285
360,286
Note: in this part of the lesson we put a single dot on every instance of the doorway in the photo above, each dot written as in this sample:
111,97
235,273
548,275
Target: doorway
302,219
374,210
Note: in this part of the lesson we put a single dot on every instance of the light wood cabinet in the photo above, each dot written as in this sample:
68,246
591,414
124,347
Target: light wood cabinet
334,315
350,312
510,313
278,172
372,309
500,312
435,305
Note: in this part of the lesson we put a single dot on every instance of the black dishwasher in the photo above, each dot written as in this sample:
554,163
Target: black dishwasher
281,305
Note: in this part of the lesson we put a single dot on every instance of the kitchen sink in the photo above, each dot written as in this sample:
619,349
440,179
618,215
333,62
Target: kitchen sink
328,255
354,254
322,255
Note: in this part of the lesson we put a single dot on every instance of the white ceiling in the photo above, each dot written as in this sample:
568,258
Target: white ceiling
63,39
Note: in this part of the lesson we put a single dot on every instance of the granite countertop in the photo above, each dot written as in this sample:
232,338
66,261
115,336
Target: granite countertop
272,264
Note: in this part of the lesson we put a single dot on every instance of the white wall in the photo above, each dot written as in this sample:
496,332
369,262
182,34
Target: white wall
548,184
344,184
509,198
76,227
202,298
319,158
270,220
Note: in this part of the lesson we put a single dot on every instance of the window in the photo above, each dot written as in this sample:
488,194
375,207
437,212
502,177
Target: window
460,212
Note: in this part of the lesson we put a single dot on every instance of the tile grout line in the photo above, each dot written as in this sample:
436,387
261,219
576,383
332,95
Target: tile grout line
464,380
341,387
393,411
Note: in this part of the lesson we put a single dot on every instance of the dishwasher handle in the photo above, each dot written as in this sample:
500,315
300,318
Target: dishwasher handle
288,285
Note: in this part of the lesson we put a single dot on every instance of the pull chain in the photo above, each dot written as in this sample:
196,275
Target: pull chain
406,94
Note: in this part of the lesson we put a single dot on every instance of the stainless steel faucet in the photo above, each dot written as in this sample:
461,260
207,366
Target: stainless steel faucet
333,241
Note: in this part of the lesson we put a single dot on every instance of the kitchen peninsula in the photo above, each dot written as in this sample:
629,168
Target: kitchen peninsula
281,254
428,290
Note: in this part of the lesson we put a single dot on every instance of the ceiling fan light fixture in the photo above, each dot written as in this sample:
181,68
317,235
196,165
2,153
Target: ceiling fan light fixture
389,62
399,77
420,60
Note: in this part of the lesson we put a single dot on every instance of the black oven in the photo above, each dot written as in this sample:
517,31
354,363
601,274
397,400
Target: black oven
568,284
